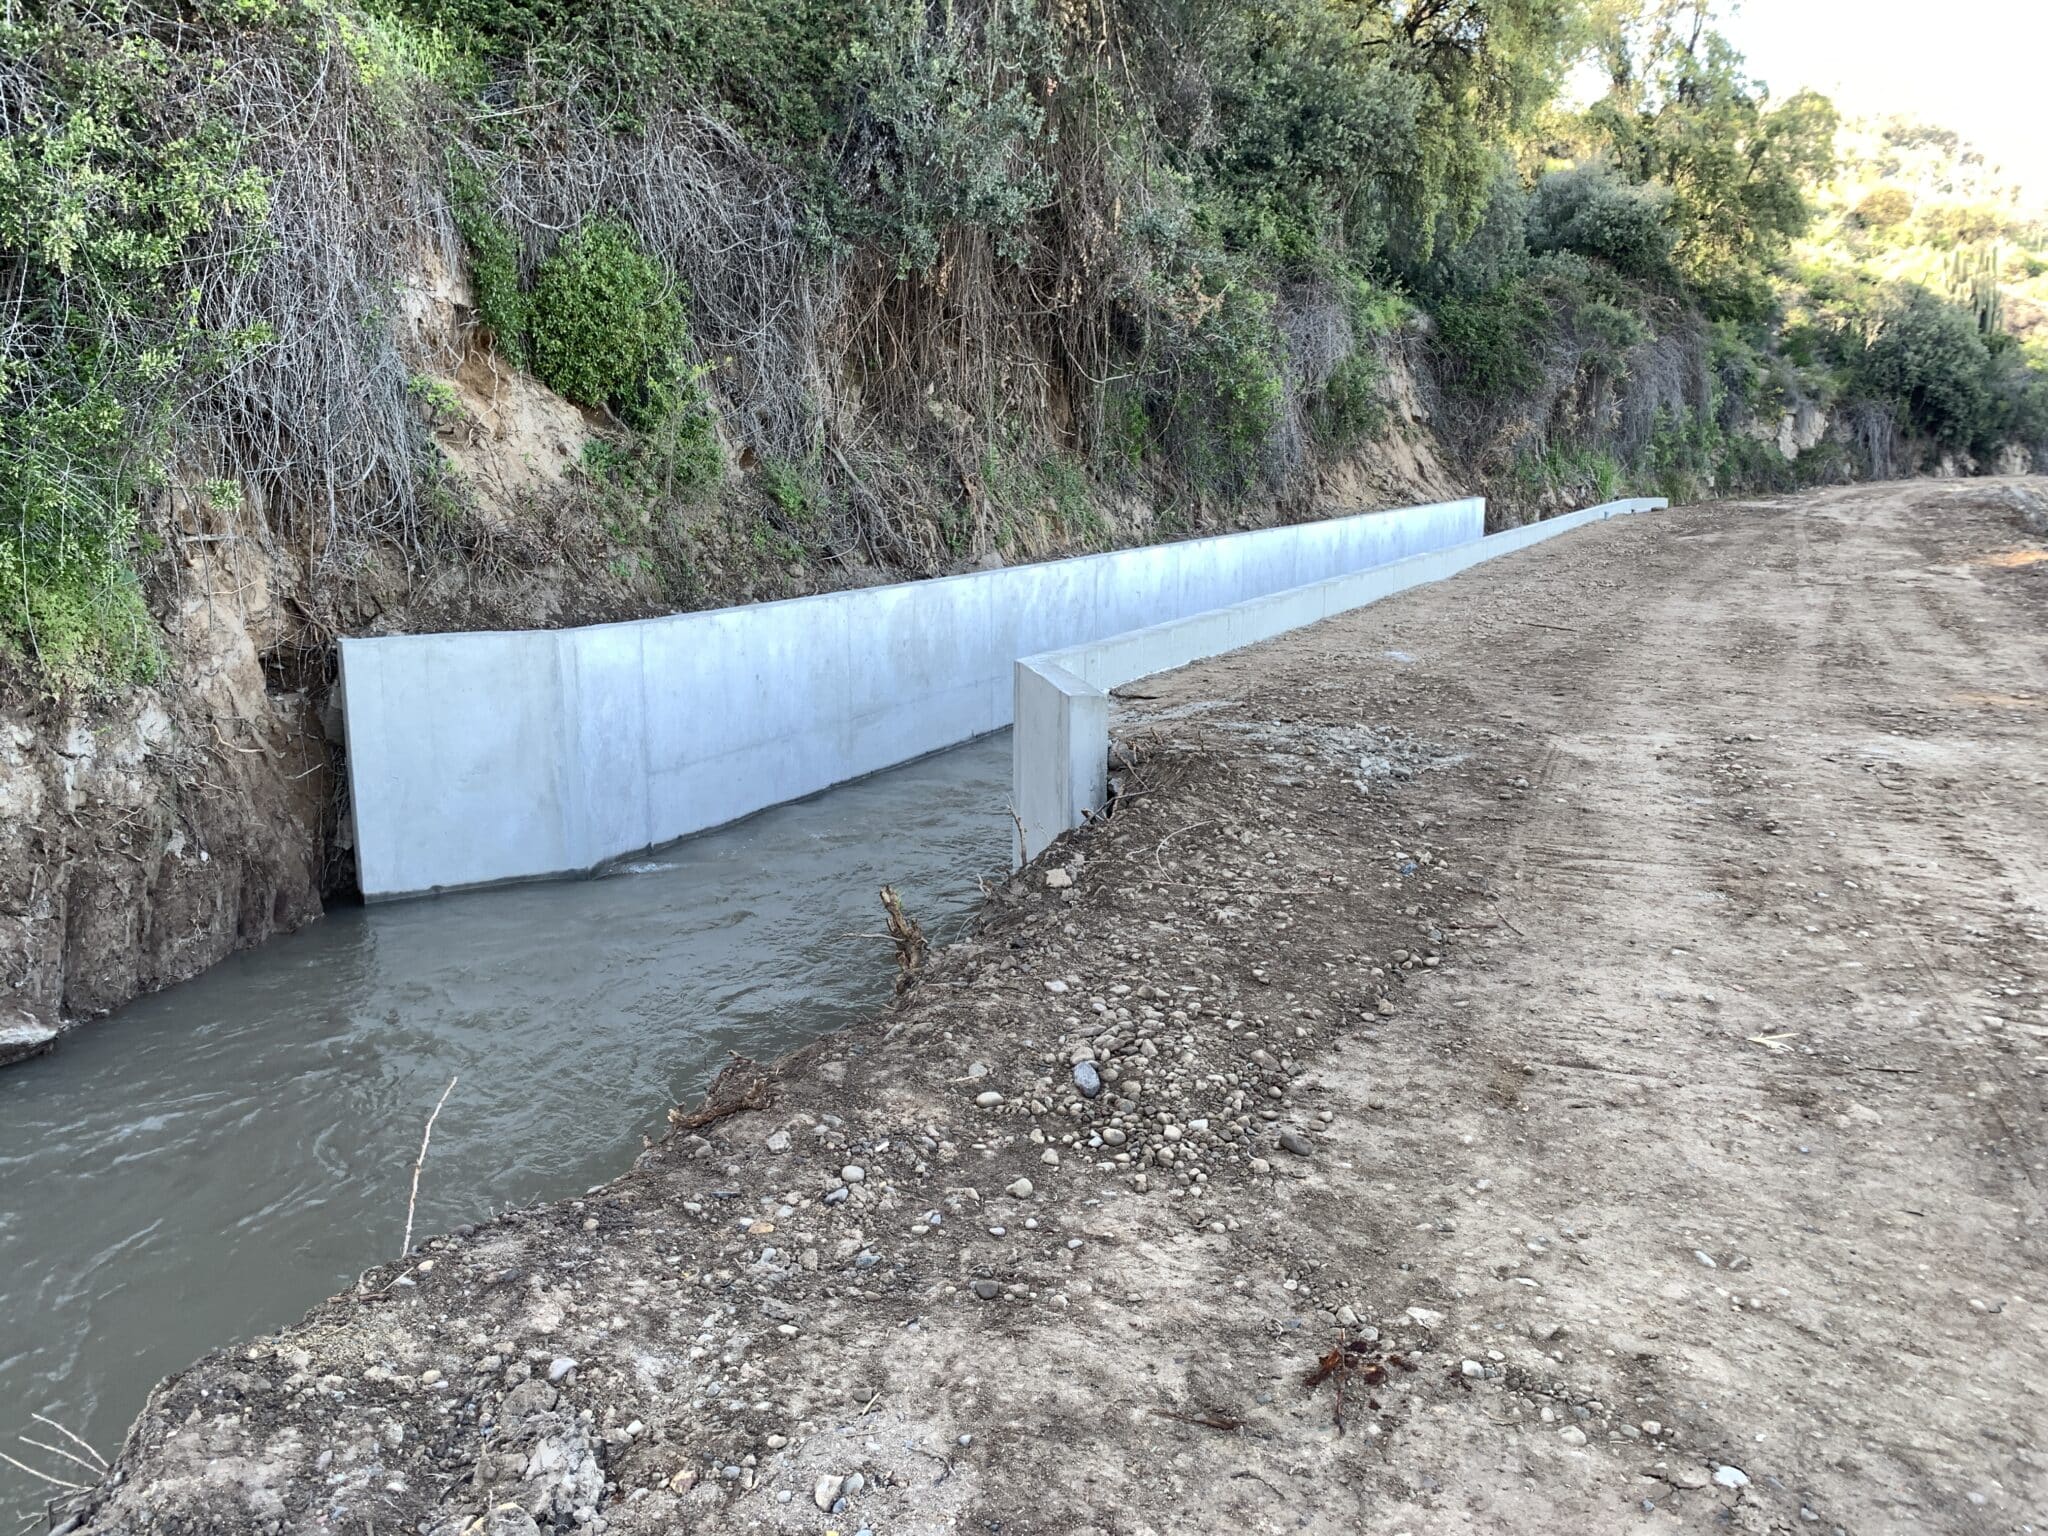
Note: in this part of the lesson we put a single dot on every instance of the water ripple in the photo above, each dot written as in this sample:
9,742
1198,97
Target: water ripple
213,1160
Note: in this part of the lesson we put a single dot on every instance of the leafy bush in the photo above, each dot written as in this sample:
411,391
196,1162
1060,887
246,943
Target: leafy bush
1610,328
641,476
1497,250
109,185
1682,115
1351,407
774,64
947,127
1048,489
793,488
1311,120
1578,475
2019,393
69,598
1228,385
1313,131
1685,454
1590,211
681,452
1930,361
608,329
1884,208
1490,345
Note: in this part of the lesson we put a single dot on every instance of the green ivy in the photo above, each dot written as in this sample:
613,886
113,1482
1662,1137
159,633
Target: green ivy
494,272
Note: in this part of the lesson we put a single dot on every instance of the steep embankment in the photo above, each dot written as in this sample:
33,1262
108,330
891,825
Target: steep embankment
1450,1097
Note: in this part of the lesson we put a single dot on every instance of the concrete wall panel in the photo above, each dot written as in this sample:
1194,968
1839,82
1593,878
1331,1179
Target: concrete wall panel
1060,751
482,758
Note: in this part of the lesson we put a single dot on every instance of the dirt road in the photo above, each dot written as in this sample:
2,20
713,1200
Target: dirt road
1594,1006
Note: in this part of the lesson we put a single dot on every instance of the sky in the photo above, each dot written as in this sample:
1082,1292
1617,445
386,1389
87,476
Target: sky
1977,66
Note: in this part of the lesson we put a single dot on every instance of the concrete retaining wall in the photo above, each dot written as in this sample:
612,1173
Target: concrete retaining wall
487,757
1060,749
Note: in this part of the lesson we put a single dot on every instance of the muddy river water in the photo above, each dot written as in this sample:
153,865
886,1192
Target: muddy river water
211,1161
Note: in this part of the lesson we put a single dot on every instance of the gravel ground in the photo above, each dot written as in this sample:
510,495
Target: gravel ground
1588,1013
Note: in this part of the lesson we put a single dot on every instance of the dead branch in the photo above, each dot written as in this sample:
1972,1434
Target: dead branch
426,1137
1217,1421
912,948
729,1095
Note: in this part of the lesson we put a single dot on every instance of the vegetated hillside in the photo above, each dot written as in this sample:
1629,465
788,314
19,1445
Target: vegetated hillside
333,315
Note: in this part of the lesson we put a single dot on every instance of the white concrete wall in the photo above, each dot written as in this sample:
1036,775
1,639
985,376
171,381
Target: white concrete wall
481,758
1060,749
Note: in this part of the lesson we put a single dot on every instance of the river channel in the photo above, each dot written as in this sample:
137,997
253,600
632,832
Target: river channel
213,1160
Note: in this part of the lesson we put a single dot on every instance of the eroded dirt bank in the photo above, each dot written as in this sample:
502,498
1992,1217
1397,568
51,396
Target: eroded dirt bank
1610,982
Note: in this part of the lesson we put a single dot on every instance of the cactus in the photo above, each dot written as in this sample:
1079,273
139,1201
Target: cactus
1972,279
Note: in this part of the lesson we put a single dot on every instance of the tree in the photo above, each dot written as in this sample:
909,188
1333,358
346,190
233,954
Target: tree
1591,211
1362,127
1929,357
1679,112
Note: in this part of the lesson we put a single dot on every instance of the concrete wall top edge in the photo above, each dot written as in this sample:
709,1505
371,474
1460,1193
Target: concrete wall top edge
1182,546
1068,661
1060,750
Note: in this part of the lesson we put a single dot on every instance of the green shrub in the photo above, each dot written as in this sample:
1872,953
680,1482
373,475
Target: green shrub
1610,328
949,126
792,488
1349,409
1929,360
774,64
70,602
1124,435
1308,117
1685,454
111,184
2019,392
1313,130
1490,346
637,480
1497,250
1228,388
1048,488
1373,311
1590,211
681,451
1581,475
1884,208
394,55
608,329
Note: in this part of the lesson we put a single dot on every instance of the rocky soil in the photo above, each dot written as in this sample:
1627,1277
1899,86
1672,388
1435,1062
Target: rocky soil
1558,1051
